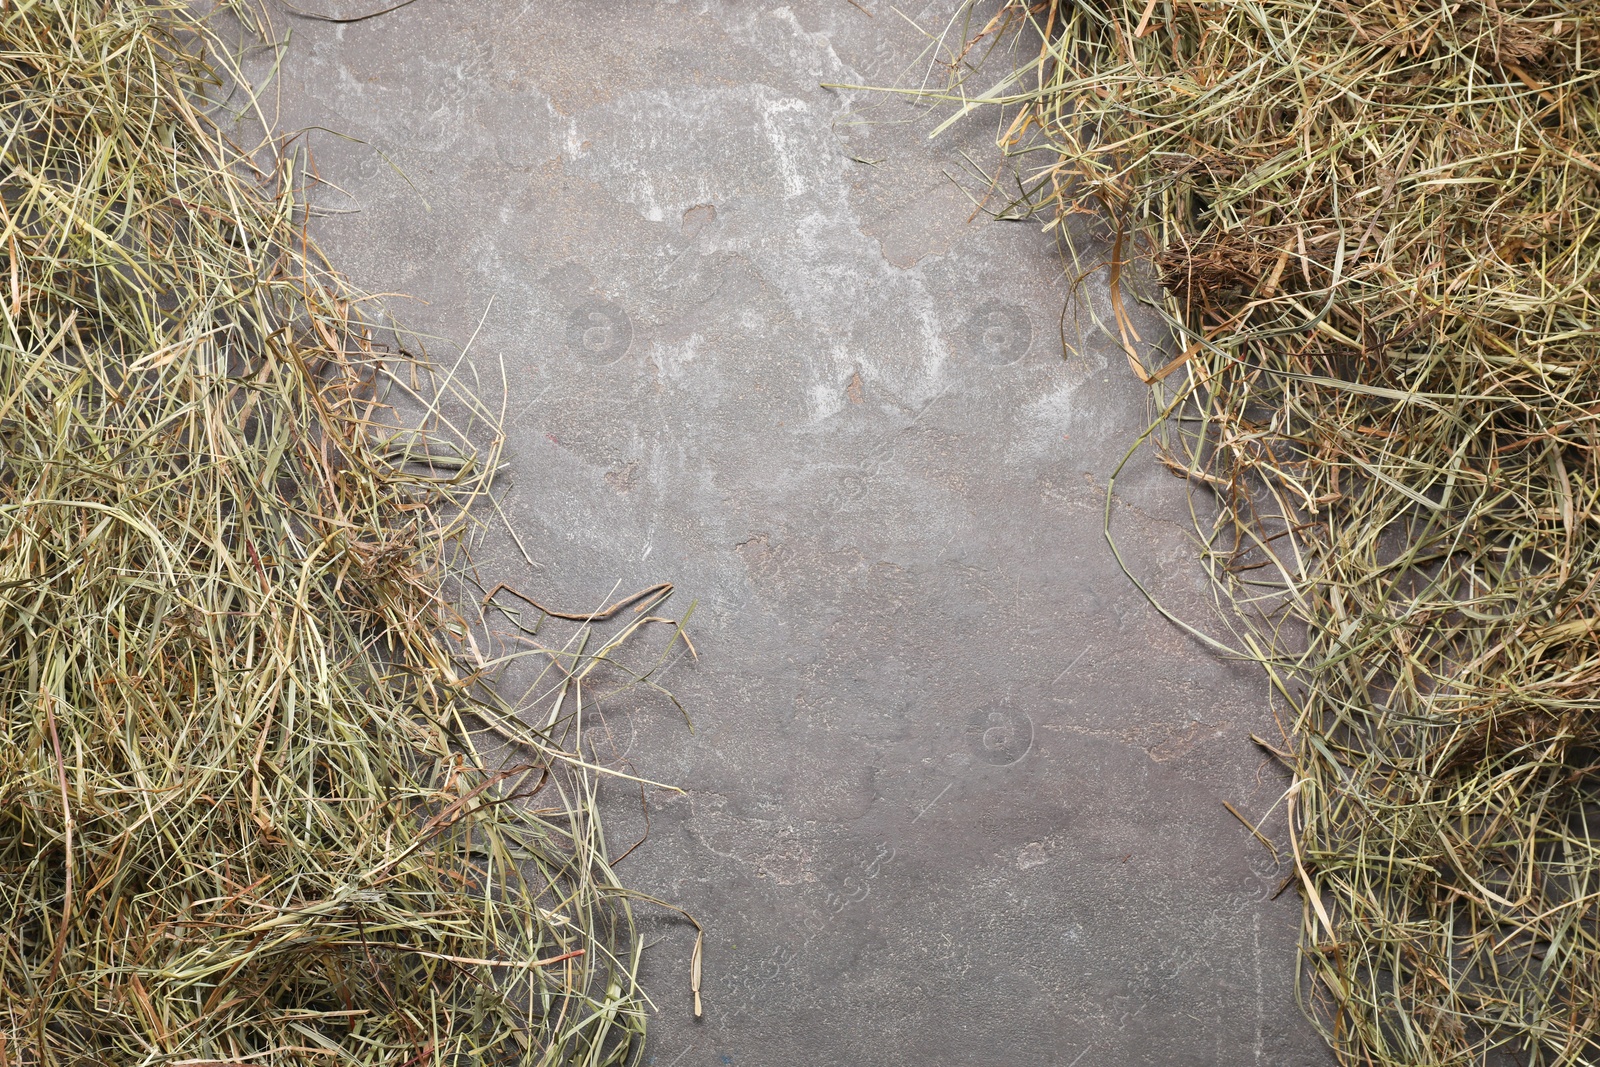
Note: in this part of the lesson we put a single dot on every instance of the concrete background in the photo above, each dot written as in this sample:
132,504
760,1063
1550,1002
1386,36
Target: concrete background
954,790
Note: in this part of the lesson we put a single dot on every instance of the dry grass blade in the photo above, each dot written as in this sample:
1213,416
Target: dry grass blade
1377,229
243,815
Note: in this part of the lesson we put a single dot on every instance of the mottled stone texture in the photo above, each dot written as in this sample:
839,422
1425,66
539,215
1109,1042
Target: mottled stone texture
953,795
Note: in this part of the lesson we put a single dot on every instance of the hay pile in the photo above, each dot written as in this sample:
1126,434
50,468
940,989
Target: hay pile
244,817
1376,228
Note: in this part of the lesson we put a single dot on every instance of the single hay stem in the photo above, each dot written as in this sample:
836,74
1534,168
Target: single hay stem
67,827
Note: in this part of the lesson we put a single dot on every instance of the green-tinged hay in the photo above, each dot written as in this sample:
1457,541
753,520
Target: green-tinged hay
243,818
1377,229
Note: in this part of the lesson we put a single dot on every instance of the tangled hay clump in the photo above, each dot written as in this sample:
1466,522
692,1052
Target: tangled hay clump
1376,228
246,812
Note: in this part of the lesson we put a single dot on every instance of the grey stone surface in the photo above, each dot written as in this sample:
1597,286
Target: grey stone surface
953,795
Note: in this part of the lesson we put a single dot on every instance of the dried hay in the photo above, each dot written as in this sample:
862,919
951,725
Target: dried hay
245,812
1377,229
